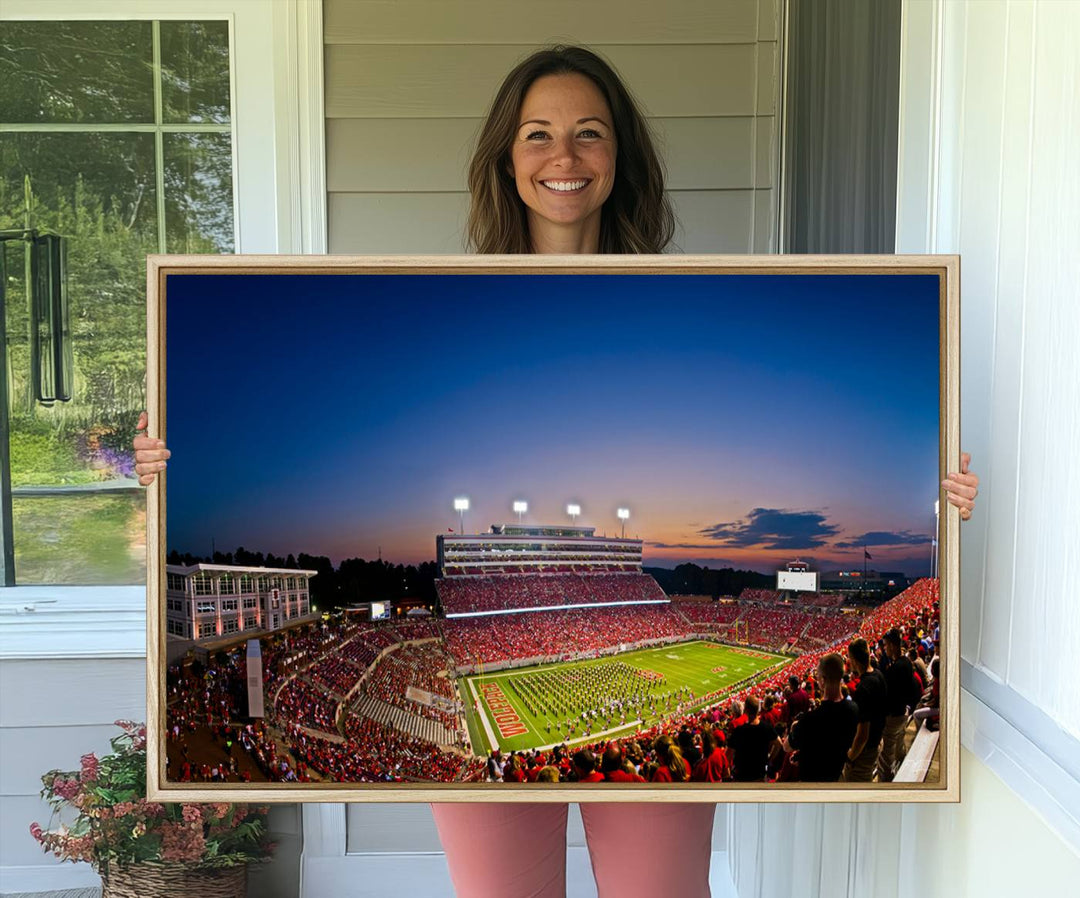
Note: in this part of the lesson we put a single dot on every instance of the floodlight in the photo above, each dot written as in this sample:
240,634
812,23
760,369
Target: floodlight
521,507
573,510
623,514
461,505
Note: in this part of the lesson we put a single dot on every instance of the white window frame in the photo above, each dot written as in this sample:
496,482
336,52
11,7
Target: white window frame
279,164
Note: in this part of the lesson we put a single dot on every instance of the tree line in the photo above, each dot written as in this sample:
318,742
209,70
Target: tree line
691,580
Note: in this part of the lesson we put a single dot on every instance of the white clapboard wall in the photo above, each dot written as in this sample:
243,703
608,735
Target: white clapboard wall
408,83
989,143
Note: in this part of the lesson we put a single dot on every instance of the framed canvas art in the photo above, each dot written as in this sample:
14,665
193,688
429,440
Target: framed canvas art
554,528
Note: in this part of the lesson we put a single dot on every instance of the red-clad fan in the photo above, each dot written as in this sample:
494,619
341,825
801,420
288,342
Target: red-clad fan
617,769
673,766
715,766
585,767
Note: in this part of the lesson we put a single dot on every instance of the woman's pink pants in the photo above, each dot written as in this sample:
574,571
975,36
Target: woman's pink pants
519,850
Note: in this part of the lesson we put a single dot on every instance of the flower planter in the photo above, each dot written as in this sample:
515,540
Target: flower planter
174,881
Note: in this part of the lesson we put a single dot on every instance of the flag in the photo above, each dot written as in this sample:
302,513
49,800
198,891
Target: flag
449,529
867,554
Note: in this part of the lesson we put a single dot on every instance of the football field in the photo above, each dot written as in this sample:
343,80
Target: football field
601,697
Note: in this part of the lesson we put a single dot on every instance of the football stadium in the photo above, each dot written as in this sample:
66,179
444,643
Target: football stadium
556,658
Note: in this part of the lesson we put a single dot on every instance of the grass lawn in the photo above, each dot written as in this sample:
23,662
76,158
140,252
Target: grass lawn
702,667
81,539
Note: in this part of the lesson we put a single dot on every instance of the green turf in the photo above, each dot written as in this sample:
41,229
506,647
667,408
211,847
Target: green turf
688,664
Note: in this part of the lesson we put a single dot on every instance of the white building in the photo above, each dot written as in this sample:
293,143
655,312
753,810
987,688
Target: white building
205,601
526,549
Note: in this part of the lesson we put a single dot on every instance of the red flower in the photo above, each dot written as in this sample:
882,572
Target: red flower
89,767
36,832
180,842
65,788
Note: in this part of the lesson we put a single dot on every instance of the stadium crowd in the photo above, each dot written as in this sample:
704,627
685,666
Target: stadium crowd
790,724
719,614
499,639
502,592
417,666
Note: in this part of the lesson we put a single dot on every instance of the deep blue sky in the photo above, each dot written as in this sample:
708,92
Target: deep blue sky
744,419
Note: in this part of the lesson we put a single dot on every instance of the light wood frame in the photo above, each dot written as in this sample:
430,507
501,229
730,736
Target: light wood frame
945,267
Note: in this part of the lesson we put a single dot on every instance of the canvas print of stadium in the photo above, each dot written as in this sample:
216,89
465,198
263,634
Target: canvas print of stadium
513,531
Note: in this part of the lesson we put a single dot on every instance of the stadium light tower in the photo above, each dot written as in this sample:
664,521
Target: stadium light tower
623,514
573,510
520,507
461,505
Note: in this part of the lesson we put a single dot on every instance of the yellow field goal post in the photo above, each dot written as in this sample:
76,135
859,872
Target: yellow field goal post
740,632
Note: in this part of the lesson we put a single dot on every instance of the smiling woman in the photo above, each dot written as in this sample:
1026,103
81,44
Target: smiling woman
563,162
561,117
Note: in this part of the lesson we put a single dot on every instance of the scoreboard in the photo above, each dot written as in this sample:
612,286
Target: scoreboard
798,581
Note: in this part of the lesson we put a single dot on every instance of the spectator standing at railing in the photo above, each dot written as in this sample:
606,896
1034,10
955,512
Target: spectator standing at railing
870,697
903,694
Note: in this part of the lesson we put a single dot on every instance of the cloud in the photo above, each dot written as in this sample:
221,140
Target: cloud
774,528
885,538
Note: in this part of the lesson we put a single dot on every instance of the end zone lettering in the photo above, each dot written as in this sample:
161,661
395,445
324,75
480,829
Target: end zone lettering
506,718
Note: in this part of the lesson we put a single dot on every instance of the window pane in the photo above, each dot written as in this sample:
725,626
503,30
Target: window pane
83,540
98,191
198,193
76,72
195,72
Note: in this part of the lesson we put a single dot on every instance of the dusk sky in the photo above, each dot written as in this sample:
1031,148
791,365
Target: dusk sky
745,420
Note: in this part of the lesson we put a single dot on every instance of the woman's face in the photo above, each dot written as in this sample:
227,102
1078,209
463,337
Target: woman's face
563,154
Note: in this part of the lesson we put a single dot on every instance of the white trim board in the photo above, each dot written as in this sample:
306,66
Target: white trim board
1045,786
42,622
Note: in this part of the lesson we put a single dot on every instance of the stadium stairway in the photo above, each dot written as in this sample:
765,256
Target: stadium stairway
402,720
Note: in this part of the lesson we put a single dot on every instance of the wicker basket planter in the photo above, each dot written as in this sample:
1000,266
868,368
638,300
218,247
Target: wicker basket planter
149,880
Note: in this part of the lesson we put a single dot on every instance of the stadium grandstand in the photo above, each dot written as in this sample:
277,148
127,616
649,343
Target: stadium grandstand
460,698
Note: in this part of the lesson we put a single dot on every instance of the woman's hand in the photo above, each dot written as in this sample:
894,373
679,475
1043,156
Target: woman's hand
961,488
150,454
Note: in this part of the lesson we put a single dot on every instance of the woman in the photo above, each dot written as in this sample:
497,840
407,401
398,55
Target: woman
565,164
674,768
714,766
